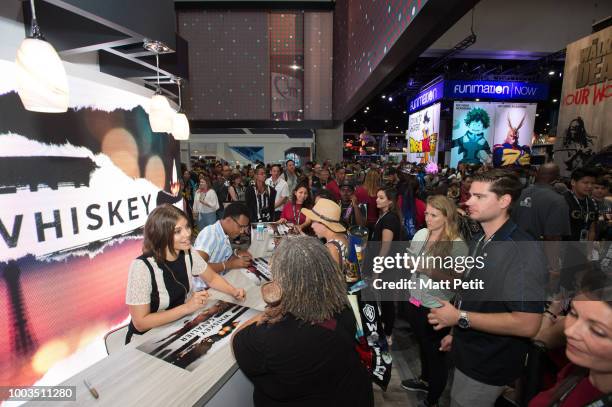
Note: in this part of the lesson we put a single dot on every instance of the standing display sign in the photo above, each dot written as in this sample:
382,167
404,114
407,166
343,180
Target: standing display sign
586,101
423,133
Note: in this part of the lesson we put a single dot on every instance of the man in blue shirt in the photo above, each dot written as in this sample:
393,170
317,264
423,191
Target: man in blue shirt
214,241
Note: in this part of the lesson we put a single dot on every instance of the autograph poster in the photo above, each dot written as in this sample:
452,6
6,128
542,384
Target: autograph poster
191,345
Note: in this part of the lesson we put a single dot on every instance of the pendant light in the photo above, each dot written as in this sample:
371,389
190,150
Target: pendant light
180,126
161,115
42,84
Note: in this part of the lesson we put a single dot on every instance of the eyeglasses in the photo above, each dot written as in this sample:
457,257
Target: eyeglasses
242,227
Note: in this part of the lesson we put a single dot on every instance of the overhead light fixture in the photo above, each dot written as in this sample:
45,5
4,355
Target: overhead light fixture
42,84
161,115
551,73
390,99
180,125
383,96
478,100
295,67
554,100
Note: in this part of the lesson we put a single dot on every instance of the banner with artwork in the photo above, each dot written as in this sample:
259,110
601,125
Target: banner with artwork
492,133
584,127
193,343
423,132
75,191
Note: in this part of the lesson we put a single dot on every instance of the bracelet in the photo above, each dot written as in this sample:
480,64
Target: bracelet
223,263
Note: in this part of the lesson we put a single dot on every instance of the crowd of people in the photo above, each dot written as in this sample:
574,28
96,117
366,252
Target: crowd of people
551,301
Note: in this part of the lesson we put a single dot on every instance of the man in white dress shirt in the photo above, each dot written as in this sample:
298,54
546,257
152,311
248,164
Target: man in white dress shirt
281,187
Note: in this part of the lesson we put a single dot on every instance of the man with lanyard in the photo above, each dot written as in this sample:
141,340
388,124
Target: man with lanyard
214,241
352,212
493,323
282,190
583,215
260,198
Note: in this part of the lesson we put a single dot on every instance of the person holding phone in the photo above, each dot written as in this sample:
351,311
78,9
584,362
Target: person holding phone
160,288
440,238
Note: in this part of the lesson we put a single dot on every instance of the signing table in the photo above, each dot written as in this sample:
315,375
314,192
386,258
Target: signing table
131,377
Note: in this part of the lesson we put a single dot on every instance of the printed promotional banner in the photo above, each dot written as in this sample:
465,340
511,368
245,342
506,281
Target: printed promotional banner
497,133
423,131
427,97
519,91
75,191
189,346
584,127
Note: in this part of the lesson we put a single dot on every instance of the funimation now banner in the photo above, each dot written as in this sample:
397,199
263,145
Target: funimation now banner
75,191
495,90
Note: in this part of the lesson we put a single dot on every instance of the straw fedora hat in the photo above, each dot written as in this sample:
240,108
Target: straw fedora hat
326,212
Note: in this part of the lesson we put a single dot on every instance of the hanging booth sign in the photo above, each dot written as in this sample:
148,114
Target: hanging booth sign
495,90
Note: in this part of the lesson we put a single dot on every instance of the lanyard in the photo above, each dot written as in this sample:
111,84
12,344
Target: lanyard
263,202
296,217
586,215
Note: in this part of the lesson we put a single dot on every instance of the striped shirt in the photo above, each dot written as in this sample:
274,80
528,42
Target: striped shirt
213,241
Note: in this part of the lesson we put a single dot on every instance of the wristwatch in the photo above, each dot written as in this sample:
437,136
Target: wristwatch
464,320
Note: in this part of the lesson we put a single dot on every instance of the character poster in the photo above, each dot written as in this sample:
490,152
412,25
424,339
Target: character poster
492,133
188,346
513,134
75,191
423,132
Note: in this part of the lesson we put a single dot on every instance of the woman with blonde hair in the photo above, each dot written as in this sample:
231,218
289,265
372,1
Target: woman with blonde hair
366,194
301,350
438,244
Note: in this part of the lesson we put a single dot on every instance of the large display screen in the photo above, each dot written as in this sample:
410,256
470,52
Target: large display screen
494,133
75,191
423,134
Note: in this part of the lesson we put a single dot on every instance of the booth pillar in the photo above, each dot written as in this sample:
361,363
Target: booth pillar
328,144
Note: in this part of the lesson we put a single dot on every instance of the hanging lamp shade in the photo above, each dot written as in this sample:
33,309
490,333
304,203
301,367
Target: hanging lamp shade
161,115
180,128
42,84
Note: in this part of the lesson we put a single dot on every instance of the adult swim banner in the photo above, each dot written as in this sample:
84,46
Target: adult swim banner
423,133
492,133
75,191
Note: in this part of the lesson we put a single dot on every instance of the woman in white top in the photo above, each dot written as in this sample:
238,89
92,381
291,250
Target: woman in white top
159,288
439,240
205,204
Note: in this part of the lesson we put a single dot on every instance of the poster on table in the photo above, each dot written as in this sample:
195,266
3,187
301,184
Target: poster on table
423,132
584,127
75,191
494,133
193,343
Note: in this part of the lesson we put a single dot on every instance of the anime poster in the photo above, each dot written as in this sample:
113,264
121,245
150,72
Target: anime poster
189,346
423,131
513,134
472,133
492,133
75,191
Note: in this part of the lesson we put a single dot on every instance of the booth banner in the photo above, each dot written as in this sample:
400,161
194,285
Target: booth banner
503,91
426,97
492,133
513,132
75,191
192,344
586,101
423,132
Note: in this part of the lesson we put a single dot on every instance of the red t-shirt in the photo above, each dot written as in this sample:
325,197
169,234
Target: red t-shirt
334,189
581,395
288,213
362,196
419,216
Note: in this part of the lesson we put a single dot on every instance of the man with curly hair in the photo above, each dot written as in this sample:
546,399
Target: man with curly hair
473,146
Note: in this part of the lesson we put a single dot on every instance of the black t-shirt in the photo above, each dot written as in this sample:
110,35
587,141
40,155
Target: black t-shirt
541,211
176,282
514,276
582,213
391,221
293,363
347,213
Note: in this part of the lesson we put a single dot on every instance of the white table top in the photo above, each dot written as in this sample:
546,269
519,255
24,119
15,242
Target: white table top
131,377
